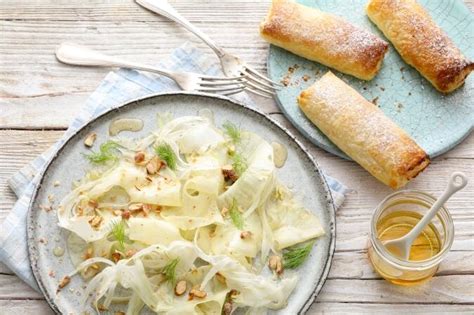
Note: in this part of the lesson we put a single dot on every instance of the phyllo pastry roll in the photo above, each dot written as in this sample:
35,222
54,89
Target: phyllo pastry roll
362,131
323,37
420,42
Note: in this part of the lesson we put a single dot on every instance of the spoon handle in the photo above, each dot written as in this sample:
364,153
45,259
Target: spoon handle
457,182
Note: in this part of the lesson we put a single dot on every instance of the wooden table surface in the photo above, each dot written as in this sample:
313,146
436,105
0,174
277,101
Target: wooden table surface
39,97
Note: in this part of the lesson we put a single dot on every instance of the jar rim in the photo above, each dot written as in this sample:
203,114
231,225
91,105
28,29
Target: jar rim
397,262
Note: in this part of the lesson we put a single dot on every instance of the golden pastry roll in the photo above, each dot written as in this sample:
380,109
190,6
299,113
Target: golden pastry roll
420,42
362,131
324,38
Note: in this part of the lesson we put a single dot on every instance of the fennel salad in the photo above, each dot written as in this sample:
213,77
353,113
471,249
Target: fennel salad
190,219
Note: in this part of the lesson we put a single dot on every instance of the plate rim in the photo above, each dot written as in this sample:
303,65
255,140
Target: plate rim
32,247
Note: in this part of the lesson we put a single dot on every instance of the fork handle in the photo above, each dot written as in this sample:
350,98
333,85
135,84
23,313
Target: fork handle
163,8
74,54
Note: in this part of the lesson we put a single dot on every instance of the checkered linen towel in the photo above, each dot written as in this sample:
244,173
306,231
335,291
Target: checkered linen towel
117,87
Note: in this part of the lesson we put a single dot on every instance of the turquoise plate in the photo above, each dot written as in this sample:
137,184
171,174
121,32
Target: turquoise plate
437,122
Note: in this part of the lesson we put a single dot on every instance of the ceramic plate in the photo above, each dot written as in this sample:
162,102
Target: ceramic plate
437,122
300,172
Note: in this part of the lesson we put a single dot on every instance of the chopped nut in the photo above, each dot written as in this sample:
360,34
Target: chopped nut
126,215
64,282
275,264
147,208
245,235
220,278
116,257
95,221
229,173
180,288
306,78
90,139
95,266
56,183
51,198
227,309
224,211
136,207
88,253
196,292
154,165
139,157
101,308
93,203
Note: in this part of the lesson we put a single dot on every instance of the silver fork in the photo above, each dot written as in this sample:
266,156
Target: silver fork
231,65
74,54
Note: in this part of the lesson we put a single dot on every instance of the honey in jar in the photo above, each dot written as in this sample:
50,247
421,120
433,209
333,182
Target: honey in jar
394,218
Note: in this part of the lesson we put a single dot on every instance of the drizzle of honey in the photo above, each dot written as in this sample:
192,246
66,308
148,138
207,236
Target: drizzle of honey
425,246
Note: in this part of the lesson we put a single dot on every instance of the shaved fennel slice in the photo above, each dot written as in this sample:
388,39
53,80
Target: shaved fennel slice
151,231
227,239
128,177
290,222
256,183
191,134
199,203
255,290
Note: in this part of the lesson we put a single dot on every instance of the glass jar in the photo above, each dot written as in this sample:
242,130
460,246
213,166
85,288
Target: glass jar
441,230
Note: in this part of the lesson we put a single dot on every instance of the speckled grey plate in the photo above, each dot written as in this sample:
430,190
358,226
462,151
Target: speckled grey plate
437,122
300,172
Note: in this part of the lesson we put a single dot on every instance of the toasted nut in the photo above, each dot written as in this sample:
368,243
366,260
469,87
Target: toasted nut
56,183
227,309
154,165
274,263
136,207
126,215
220,278
88,253
64,282
95,221
102,308
229,173
147,208
116,257
139,157
196,292
90,139
245,235
180,288
224,211
93,203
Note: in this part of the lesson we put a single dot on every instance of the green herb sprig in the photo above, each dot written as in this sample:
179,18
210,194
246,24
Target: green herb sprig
236,216
166,153
169,271
232,131
118,233
107,152
239,164
296,255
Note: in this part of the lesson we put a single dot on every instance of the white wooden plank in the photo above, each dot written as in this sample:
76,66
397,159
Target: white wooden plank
25,307
40,307
12,287
447,289
388,309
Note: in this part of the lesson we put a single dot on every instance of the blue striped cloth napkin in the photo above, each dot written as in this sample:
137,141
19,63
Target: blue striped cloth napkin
117,87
